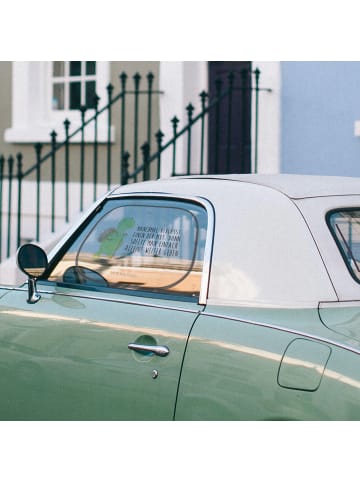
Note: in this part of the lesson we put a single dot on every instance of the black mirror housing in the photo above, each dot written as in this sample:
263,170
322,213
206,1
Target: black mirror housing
32,260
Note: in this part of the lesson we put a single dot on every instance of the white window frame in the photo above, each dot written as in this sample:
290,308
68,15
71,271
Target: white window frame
33,118
66,80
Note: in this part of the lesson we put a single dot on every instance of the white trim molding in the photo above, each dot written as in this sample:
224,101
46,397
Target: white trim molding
33,118
269,126
181,83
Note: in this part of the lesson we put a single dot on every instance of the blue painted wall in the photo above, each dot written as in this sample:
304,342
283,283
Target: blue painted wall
319,106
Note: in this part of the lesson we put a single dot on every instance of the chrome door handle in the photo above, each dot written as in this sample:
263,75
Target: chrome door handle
155,349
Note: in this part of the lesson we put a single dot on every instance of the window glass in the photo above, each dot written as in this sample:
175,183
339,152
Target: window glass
90,94
58,69
75,95
58,97
75,68
74,84
90,68
153,245
345,227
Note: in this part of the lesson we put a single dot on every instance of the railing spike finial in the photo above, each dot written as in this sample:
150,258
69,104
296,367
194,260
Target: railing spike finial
175,121
203,96
38,148
10,164
190,109
150,77
137,78
125,168
82,110
109,89
67,126
96,101
53,135
123,78
19,158
159,135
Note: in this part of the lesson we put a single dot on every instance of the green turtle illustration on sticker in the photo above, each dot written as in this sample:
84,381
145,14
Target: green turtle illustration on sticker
112,239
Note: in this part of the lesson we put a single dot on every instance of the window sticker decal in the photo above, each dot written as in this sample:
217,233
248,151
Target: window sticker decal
112,238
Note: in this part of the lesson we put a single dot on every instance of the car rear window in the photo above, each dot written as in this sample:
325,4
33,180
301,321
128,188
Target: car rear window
345,227
154,245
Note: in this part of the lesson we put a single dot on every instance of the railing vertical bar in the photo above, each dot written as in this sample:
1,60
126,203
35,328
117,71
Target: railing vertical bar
137,78
38,148
190,110
53,179
125,168
159,136
203,97
96,146
10,177
67,163
257,77
2,162
146,152
19,158
82,157
244,140
123,78
110,89
150,78
175,122
218,84
229,123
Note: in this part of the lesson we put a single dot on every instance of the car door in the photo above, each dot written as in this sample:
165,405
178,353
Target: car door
107,338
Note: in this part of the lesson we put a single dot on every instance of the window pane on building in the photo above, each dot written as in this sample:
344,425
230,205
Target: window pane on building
90,94
75,95
75,68
58,97
90,68
58,69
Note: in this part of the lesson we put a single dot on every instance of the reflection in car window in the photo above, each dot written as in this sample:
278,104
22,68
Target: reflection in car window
154,245
345,227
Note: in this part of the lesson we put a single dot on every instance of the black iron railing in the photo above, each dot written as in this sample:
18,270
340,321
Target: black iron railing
224,93
143,163
59,157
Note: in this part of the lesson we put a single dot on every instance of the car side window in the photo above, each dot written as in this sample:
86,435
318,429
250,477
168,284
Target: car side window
154,245
345,227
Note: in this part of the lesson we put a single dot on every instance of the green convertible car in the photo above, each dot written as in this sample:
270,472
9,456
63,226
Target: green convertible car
230,297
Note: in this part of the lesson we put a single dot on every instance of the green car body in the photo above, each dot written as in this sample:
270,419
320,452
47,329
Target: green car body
224,298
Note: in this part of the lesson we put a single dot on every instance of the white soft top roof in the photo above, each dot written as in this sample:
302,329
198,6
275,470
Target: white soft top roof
295,186
270,231
298,186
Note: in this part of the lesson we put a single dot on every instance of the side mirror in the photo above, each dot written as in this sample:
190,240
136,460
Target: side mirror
32,261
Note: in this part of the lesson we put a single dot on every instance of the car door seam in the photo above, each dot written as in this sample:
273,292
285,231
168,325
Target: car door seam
182,362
